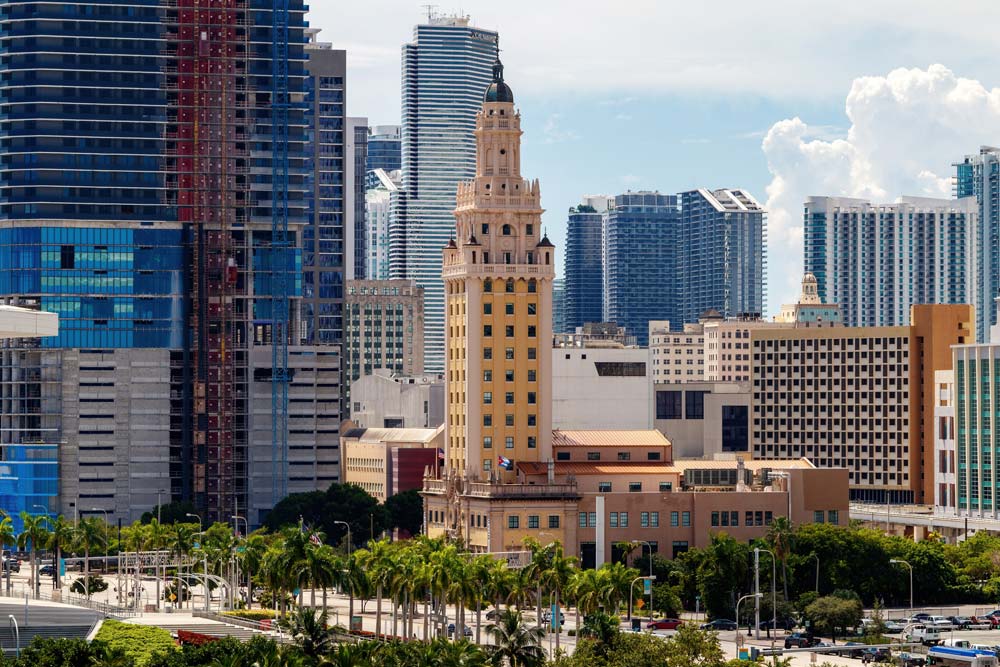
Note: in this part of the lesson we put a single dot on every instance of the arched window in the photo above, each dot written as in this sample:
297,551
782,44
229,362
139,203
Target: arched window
506,230
531,258
487,285
473,256
546,257
510,285
532,286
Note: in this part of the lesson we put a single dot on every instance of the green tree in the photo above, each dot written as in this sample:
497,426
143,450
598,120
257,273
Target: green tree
310,632
322,509
834,615
721,573
601,628
405,512
692,647
781,535
60,536
90,532
170,513
34,536
514,643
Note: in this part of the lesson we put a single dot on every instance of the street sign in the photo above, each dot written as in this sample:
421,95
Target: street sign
647,587
554,622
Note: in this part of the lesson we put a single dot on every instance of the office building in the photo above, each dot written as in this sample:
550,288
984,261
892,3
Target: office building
378,211
862,398
172,262
355,186
385,146
388,400
978,177
445,71
385,329
323,240
877,261
678,356
583,264
387,461
559,305
641,255
584,378
945,468
703,419
723,244
507,475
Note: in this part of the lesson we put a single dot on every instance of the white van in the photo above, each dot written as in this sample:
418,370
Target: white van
927,636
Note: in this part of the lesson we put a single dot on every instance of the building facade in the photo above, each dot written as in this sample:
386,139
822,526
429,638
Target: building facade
703,419
559,305
640,242
378,212
678,356
388,400
583,265
385,149
387,461
583,379
945,468
445,70
355,186
977,177
809,310
723,261
921,255
861,398
385,329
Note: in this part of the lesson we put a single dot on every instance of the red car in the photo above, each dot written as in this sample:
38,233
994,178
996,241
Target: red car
665,624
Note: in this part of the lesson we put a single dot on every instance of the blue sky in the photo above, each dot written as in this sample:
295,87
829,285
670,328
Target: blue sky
782,97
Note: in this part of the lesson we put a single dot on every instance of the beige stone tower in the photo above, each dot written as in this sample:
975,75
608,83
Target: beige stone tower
498,275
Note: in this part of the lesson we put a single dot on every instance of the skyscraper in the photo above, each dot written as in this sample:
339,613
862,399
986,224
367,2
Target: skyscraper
355,184
642,276
162,218
385,147
383,188
877,261
583,265
978,176
445,70
724,241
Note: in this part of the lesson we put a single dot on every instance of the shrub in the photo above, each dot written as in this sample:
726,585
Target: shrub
251,614
138,642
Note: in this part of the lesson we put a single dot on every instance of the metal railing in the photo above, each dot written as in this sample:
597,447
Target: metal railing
22,592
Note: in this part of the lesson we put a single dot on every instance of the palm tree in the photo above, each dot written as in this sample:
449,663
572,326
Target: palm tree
456,654
275,576
7,538
617,583
89,534
294,548
157,535
60,535
557,577
254,548
322,570
514,643
600,627
540,559
781,534
310,632
34,535
377,561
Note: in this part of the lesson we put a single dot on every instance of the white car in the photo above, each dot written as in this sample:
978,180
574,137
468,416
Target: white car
939,622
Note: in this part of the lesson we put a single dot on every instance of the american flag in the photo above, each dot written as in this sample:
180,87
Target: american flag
314,538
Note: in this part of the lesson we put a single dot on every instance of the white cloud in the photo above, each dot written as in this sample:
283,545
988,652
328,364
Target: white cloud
907,128
554,131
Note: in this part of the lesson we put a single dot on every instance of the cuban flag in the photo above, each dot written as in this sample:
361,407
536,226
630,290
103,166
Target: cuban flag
505,462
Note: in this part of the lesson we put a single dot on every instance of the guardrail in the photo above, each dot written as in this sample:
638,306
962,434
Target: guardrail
105,609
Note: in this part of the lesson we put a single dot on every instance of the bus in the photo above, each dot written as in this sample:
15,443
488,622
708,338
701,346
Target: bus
948,656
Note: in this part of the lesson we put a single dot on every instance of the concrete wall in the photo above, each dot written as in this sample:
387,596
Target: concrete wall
698,438
584,400
417,401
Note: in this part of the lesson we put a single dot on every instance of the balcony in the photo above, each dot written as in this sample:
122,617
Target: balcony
523,491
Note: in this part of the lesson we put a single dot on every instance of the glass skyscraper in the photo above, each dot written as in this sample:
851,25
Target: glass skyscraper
385,146
583,298
978,176
446,69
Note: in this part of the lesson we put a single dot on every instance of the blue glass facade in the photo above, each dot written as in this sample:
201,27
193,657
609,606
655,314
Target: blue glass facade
978,176
384,150
583,269
29,476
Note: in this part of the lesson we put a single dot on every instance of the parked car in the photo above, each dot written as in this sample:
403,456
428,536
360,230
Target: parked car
719,624
939,622
782,624
876,655
665,624
47,570
911,660
467,631
547,618
12,564
960,622
981,622
926,635
852,650
800,640
492,614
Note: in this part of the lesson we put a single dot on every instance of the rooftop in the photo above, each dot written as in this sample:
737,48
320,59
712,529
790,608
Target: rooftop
377,435
636,438
643,468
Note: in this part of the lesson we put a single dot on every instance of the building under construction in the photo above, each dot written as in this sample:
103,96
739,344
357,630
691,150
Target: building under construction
156,187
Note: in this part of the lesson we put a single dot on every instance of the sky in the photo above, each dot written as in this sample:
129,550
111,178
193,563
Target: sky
782,98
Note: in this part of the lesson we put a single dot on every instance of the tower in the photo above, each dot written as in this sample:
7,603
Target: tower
498,273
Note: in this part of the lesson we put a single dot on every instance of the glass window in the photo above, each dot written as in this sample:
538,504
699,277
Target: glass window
509,398
758,518
510,285
488,397
487,420
531,308
604,487
666,487
508,442
583,519
768,518
531,376
613,520
509,308
487,376
532,353
531,398
532,419
532,521
624,456
508,375
675,519
749,518
833,517
734,518
532,331
509,331
487,330
553,521
487,309
509,353
592,519
532,442
513,521
623,519
487,442
654,520
694,404
685,518
818,516
644,519
634,487
668,405
487,353
508,420
593,456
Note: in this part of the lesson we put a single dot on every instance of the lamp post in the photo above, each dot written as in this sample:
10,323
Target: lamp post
814,555
774,595
650,547
631,589
350,587
745,597
107,547
900,561
201,531
236,561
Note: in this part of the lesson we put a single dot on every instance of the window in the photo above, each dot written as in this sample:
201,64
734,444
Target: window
487,309
634,487
508,376
694,407
505,230
509,331
562,456
734,518
833,516
508,420
508,353
593,456
613,520
644,519
654,519
818,516
531,308
666,487
532,442
624,456
623,519
758,518
553,521
768,518
532,419
532,331
749,518
725,518
592,519
508,442
487,329
652,456
487,285
531,376
487,420
487,465
487,442
532,353
685,518
485,229
532,521
532,286
508,398
487,376
675,519
583,519
529,229
487,397
509,308
513,521
487,353
604,487
531,398
509,286
668,405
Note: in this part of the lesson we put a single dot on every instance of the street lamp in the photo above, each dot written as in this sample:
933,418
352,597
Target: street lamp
348,527
201,531
631,589
745,597
774,595
900,561
650,547
814,555
236,562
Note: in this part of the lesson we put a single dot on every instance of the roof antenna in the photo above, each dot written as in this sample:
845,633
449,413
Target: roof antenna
430,11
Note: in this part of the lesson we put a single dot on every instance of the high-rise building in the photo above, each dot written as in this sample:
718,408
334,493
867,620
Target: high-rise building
877,261
173,260
583,263
857,397
323,241
355,185
445,70
559,305
383,186
385,329
978,177
642,275
385,148
723,258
